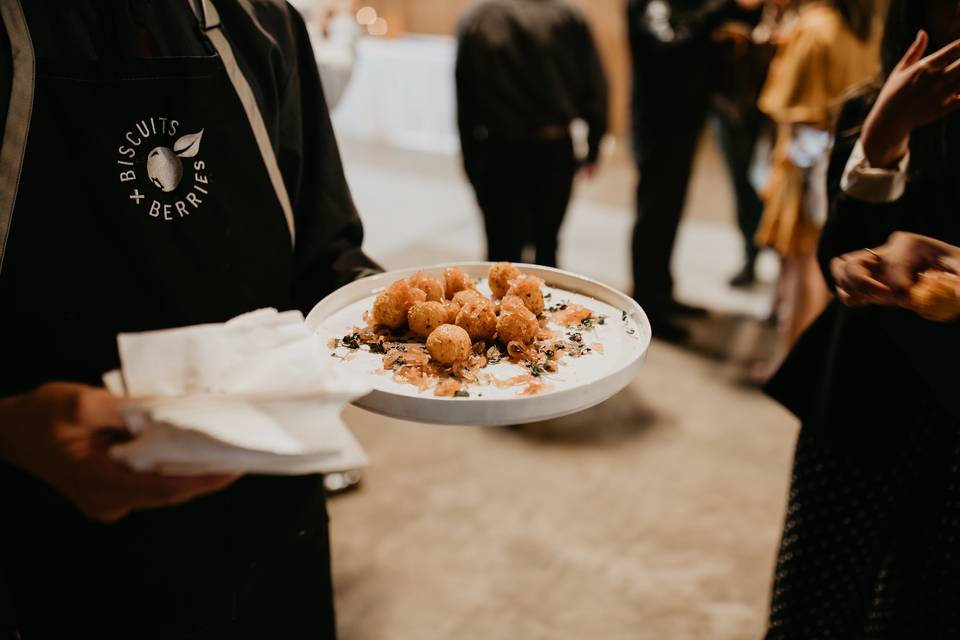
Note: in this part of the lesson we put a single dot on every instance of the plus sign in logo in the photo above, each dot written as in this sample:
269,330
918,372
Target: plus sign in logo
162,169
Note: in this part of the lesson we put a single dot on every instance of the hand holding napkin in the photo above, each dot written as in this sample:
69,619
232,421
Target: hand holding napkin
254,395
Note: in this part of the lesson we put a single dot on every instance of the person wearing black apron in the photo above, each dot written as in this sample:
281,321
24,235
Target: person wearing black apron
163,164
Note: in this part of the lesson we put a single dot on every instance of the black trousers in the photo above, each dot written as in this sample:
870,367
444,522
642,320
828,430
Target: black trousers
665,162
738,141
523,189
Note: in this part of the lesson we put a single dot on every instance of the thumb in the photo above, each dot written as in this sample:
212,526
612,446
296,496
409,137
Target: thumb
915,52
98,408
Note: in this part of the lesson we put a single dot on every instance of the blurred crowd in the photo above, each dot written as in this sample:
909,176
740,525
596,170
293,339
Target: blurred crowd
769,77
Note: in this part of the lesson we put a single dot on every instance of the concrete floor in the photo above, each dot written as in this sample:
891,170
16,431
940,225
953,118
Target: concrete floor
653,516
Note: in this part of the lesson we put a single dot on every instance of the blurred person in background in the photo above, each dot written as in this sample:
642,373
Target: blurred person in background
676,65
747,50
526,70
869,546
832,48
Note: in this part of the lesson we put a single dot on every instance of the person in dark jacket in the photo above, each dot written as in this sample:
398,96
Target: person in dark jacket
869,547
163,164
738,125
675,73
526,69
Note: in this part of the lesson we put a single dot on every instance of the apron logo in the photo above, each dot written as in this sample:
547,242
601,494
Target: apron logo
152,167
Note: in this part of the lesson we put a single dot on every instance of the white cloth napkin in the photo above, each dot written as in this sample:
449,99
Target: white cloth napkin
254,395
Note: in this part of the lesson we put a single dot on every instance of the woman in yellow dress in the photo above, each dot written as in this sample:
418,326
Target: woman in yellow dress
833,47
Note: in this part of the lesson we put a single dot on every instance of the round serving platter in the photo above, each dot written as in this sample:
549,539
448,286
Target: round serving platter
620,341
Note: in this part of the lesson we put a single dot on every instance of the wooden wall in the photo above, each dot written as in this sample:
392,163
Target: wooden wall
606,19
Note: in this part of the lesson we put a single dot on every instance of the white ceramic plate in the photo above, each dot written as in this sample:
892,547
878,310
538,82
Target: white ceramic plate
580,384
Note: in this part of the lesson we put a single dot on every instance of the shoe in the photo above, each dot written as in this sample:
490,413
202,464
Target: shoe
667,329
336,484
677,308
746,277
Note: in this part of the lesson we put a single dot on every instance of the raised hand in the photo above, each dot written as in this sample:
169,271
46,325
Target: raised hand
919,91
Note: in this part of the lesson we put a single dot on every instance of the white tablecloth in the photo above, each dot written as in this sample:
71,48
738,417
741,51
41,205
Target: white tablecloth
402,93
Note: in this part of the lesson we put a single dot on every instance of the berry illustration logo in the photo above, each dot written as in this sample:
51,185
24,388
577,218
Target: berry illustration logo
152,168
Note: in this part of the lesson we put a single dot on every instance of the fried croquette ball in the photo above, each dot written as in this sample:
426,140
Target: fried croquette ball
449,344
478,319
500,276
467,295
527,288
517,327
935,298
453,310
431,286
513,304
388,312
390,307
455,280
424,317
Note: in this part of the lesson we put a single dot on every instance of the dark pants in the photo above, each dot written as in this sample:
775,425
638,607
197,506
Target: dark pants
523,189
665,166
665,161
738,141
222,567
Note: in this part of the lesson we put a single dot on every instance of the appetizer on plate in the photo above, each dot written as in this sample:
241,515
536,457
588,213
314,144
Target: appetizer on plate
456,335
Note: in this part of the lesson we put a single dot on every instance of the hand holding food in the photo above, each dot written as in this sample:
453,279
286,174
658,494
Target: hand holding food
858,279
910,270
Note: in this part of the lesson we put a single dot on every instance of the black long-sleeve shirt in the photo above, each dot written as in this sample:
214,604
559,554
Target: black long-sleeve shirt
675,60
526,65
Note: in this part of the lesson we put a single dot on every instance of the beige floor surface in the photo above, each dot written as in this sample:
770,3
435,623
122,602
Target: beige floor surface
654,516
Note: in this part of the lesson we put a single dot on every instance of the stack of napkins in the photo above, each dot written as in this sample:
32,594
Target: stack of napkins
258,394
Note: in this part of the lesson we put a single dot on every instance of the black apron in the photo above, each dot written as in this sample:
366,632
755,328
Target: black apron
146,201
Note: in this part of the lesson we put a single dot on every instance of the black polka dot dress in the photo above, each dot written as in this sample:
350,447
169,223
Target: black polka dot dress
871,548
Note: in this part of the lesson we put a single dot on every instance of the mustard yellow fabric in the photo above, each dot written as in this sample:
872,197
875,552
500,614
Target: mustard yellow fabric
820,61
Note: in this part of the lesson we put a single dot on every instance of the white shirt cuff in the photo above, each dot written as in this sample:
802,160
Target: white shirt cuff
870,184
